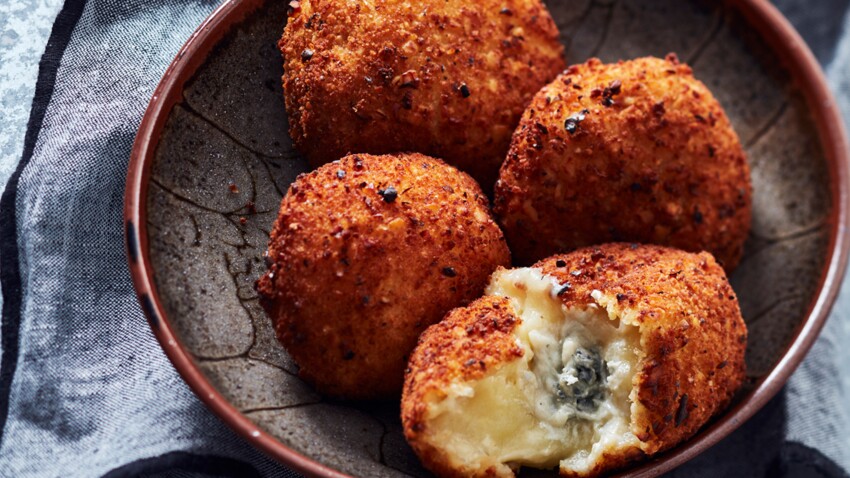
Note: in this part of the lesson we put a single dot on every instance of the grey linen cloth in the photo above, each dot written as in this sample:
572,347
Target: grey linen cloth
85,389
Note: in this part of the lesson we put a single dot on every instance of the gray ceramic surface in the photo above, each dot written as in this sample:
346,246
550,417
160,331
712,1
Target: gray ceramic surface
224,161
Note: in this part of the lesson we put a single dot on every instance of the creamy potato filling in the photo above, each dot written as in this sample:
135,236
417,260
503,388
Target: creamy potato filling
565,402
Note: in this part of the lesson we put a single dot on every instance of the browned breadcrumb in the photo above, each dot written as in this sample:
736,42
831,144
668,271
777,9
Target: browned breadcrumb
470,342
692,338
692,332
633,151
358,262
447,78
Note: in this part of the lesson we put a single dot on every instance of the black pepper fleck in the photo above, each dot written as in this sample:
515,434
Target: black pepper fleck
348,355
464,90
407,100
506,11
682,412
314,18
564,288
386,75
571,123
609,92
307,54
389,194
449,271
698,217
560,263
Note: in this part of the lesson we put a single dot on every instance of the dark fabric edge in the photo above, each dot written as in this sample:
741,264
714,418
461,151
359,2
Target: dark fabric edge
10,278
207,464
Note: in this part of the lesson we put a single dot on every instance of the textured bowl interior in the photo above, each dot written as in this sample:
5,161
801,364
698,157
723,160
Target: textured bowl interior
225,159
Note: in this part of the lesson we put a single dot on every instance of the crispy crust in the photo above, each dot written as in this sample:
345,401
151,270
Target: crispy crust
469,343
608,462
654,160
447,78
691,332
357,273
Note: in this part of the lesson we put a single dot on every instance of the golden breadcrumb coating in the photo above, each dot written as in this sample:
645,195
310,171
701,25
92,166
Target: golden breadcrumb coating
448,78
633,151
675,339
365,254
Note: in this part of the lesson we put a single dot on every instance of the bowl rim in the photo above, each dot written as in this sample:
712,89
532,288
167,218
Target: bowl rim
768,22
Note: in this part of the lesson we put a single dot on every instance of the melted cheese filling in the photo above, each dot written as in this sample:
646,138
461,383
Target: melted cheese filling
564,403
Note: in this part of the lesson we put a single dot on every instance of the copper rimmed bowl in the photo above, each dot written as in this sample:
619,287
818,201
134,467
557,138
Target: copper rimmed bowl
212,159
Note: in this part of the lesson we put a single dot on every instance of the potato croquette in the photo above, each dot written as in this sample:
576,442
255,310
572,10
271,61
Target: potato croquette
634,151
447,78
365,254
586,361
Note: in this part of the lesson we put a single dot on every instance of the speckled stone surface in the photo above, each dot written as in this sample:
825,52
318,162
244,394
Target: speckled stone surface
225,160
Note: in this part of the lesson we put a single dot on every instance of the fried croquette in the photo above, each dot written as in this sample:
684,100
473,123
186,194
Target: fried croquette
365,254
586,361
634,151
447,78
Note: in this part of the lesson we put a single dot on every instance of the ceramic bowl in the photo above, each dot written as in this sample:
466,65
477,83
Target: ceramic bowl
213,158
